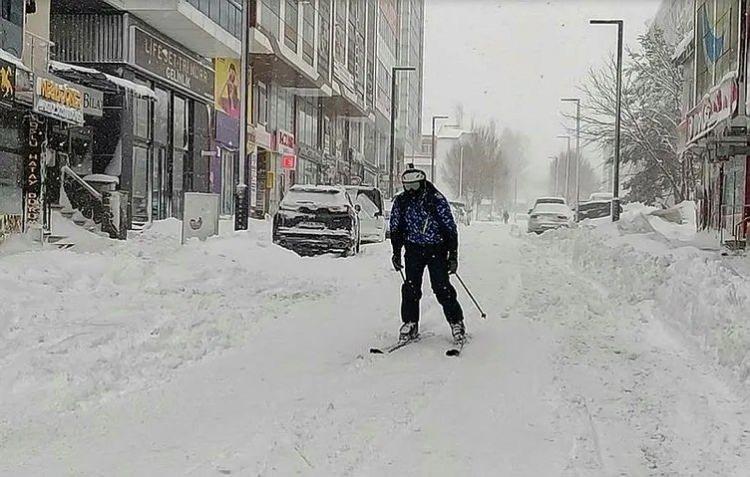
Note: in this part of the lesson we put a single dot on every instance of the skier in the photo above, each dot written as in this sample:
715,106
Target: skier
422,223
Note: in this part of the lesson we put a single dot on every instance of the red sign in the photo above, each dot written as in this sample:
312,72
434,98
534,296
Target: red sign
718,105
284,139
289,162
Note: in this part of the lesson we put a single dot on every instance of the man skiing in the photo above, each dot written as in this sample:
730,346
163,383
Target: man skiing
422,223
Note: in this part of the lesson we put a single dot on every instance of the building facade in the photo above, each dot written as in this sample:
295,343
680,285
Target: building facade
166,79
713,131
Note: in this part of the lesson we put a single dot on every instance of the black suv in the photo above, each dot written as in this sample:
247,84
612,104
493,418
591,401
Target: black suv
317,219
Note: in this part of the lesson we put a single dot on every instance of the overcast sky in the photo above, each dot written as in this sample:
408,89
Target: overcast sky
513,60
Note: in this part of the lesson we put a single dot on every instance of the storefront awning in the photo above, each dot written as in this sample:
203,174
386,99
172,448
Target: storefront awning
82,74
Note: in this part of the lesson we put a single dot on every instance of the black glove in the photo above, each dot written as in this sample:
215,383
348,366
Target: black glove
396,260
452,262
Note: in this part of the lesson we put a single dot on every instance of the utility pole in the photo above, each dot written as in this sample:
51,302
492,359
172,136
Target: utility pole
242,211
618,115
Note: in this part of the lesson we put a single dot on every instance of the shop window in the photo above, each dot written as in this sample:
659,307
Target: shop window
140,183
161,116
11,183
142,116
308,33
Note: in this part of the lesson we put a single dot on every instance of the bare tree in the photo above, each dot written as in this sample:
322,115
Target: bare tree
492,164
589,178
652,87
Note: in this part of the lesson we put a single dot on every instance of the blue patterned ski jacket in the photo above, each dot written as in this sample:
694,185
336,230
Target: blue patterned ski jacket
423,219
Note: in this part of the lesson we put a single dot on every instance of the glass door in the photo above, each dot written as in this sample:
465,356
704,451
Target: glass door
160,203
228,174
141,186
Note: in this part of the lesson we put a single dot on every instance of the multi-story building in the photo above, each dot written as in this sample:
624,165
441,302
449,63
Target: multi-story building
164,78
713,130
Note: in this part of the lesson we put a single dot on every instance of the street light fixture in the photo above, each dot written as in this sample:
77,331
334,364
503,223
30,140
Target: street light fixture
432,158
394,70
567,164
618,107
577,101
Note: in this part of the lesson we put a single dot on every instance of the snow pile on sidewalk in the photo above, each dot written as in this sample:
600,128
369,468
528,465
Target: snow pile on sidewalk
77,327
647,259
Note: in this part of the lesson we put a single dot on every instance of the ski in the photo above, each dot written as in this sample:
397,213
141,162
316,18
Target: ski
399,345
456,350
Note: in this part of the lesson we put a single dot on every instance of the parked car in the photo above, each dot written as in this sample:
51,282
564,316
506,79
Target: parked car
317,219
549,200
372,217
595,209
547,216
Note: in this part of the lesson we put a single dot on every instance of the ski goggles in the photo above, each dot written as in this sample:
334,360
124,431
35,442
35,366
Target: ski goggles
412,185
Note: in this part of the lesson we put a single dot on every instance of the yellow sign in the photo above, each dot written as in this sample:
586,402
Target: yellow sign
7,81
61,94
270,180
227,86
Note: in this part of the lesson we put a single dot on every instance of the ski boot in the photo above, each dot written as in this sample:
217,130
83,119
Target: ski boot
459,332
408,332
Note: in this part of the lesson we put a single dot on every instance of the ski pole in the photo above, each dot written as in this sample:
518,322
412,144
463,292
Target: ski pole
403,277
484,315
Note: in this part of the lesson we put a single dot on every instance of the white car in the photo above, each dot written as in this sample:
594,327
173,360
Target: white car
372,214
548,216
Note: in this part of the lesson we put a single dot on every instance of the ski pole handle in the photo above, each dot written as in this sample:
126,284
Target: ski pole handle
484,315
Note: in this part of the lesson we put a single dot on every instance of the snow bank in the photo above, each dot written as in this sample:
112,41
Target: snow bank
646,259
79,327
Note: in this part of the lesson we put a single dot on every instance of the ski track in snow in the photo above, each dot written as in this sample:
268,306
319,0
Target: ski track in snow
235,358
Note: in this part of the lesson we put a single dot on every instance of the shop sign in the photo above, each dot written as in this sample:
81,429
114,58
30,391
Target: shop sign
7,82
720,104
253,180
32,185
257,135
58,99
93,101
171,65
289,162
270,179
284,141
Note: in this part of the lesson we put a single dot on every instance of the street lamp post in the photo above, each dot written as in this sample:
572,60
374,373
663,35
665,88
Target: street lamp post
618,107
242,206
577,101
567,165
432,156
394,70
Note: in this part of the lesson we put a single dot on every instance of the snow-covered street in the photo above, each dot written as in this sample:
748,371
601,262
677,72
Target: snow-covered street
235,357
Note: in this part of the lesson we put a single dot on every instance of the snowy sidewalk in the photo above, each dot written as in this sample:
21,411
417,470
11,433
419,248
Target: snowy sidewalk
236,358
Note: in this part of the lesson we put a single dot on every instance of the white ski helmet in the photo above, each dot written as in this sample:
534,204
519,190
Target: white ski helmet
412,179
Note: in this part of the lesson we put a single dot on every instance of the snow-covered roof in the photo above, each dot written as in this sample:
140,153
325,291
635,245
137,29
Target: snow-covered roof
137,89
10,58
684,45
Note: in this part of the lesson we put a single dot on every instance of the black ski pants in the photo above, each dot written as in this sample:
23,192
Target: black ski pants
435,259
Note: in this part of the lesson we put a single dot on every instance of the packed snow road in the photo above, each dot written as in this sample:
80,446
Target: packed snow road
234,357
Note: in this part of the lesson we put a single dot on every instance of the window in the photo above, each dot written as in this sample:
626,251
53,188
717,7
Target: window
324,37
270,16
161,116
12,11
142,116
260,105
180,150
291,19
308,34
